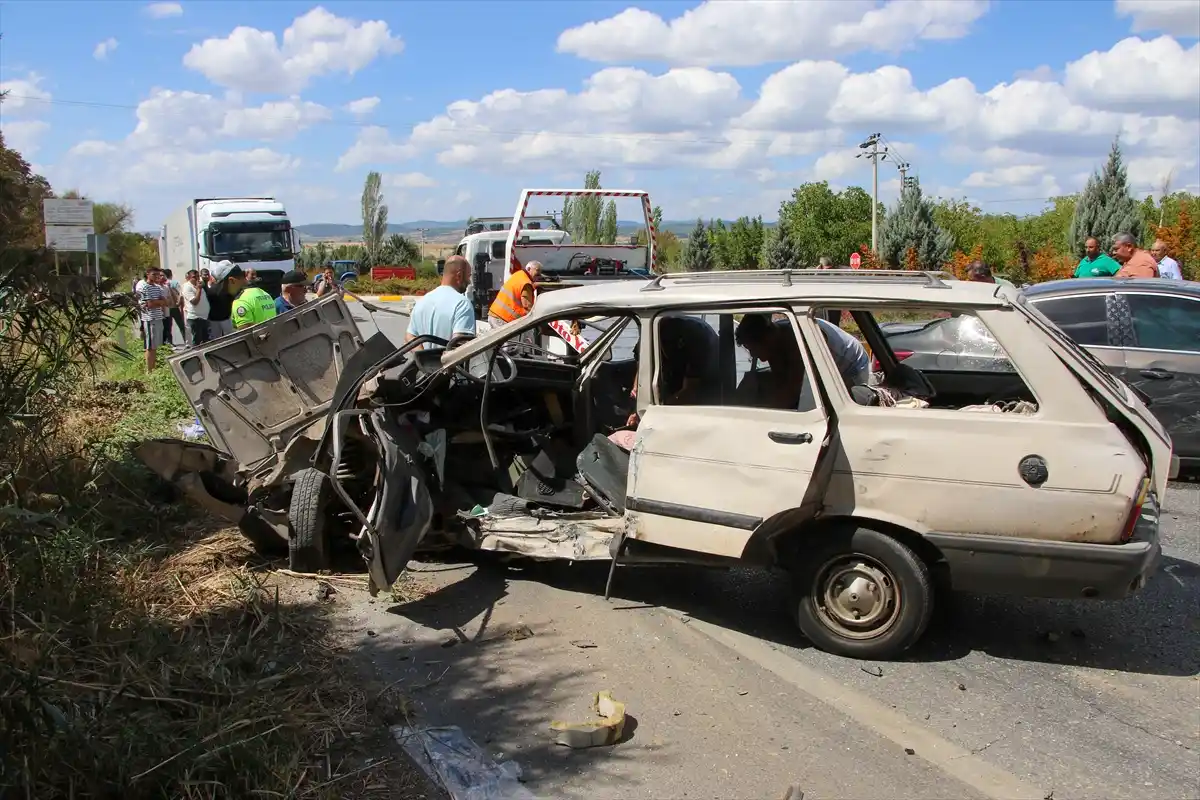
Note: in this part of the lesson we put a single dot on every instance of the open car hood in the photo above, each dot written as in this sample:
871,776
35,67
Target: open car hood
255,390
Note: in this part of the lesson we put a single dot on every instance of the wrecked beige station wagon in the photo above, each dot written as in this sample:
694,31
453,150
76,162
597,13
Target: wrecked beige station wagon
1043,480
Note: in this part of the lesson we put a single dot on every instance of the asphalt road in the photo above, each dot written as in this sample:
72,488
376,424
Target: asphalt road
1078,699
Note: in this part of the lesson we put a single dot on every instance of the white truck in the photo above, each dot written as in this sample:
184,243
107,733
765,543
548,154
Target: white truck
254,232
494,253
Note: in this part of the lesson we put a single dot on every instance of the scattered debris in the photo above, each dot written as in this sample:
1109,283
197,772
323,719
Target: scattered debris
1049,795
450,642
519,633
685,619
372,633
743,693
873,671
192,431
962,687
324,591
583,644
793,793
461,767
908,751
607,730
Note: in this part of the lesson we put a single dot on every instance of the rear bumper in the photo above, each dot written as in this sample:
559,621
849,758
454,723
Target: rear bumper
1038,568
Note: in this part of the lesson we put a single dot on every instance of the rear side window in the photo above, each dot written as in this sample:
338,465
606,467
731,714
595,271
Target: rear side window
498,248
1163,322
1082,317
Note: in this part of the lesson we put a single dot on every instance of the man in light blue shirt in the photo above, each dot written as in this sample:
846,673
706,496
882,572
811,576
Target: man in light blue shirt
445,312
1167,266
848,353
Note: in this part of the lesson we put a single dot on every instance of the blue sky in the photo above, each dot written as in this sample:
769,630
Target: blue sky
719,114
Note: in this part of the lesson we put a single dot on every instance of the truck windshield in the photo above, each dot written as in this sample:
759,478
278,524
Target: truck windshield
251,243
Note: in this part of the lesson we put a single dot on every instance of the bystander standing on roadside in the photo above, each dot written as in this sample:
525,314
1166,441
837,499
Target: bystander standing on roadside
979,272
328,283
293,292
195,309
1135,262
445,312
152,301
1095,263
174,317
1167,266
220,305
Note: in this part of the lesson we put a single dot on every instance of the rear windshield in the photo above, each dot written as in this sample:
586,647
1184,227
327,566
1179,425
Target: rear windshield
1093,365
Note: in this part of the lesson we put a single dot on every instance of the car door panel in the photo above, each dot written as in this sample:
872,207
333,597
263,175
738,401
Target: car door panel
705,477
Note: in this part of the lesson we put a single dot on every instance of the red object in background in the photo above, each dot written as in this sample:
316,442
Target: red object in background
855,261
900,356
393,273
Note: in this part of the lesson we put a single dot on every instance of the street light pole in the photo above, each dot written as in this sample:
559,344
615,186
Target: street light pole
872,151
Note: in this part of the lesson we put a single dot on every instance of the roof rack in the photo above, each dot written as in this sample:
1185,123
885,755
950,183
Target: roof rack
790,277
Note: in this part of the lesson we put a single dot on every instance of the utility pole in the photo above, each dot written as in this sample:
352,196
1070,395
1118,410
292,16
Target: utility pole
871,150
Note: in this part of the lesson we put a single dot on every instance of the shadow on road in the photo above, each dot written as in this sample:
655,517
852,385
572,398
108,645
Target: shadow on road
1154,632
494,682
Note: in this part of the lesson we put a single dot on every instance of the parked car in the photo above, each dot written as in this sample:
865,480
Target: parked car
1039,481
1145,331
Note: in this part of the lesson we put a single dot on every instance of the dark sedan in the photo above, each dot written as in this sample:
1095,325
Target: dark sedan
1146,331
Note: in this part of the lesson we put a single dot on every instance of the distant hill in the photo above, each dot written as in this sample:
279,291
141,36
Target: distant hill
443,228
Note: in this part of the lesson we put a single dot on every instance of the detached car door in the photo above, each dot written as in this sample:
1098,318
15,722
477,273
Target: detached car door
1162,358
703,478
255,389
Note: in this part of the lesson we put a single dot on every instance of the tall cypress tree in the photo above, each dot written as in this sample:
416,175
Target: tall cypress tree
910,225
1106,206
779,251
699,255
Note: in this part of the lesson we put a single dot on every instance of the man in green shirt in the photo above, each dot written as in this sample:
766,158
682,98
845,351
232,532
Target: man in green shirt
1096,264
251,305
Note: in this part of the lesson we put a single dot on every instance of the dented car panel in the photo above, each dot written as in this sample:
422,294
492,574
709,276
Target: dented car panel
255,389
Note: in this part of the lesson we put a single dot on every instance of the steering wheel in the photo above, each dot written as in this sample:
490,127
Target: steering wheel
510,366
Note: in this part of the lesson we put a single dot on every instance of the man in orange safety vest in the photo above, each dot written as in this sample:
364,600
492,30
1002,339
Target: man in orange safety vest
515,298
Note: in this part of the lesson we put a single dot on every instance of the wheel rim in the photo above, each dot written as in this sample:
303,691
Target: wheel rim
856,596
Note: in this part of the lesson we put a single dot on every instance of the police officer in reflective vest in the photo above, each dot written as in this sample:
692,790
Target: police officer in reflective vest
515,298
251,305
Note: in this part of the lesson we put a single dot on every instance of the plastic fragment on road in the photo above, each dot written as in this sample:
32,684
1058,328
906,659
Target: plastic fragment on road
597,733
458,765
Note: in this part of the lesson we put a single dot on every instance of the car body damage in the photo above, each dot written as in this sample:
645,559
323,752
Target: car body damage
508,444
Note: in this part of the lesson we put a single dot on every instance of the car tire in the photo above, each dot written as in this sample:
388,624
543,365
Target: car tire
862,594
263,538
308,521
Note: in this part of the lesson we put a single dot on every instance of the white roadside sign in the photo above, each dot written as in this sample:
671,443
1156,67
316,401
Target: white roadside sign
68,237
68,212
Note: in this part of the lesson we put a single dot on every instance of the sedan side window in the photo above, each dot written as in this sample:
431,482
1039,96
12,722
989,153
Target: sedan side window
1083,317
1164,322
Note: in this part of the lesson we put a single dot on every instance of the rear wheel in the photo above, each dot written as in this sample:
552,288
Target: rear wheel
862,594
308,521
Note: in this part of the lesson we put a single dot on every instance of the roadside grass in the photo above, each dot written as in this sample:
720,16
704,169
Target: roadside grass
146,651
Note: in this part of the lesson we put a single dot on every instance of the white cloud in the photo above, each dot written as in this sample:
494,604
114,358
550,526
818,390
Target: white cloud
90,148
412,180
1019,175
23,135
374,145
463,197
750,32
315,44
25,96
190,119
104,49
1042,73
164,10
1154,77
179,168
363,106
1176,17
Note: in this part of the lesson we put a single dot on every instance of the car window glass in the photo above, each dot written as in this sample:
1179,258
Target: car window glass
458,251
498,248
1163,322
1082,317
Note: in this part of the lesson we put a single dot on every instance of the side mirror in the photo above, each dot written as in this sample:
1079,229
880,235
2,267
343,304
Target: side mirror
296,247
441,265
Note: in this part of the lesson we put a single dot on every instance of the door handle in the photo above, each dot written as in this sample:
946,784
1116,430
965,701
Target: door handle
786,437
1157,374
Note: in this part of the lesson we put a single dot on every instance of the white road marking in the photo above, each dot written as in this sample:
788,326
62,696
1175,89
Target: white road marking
953,760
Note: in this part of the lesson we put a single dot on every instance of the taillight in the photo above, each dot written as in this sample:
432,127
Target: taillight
900,356
1136,512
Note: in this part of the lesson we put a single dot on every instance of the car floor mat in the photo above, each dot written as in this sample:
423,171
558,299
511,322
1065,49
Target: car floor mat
605,467
549,478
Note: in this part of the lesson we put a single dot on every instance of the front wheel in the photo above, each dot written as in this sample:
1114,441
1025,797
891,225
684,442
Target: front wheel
862,594
308,519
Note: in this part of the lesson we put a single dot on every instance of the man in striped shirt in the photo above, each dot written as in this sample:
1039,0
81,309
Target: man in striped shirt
152,300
